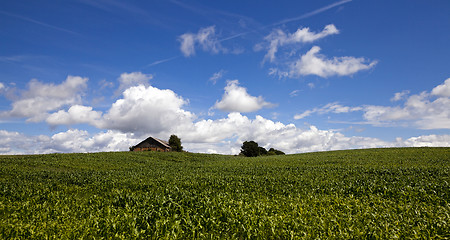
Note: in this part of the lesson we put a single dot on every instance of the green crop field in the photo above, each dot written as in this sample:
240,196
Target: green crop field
355,194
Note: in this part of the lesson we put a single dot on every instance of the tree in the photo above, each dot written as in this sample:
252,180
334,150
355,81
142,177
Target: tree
273,151
175,143
250,149
262,151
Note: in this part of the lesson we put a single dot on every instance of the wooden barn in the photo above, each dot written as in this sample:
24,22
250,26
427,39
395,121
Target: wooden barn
152,144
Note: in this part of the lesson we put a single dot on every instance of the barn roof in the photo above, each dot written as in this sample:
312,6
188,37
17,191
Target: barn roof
162,142
166,144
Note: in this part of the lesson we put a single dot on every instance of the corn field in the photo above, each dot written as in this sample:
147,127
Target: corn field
355,194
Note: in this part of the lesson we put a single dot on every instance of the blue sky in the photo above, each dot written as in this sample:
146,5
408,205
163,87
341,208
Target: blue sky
299,76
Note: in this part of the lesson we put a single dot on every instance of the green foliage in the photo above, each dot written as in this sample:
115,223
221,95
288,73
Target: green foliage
262,151
273,151
175,143
358,194
250,149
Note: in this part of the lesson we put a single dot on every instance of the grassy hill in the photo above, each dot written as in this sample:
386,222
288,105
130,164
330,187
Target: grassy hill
368,194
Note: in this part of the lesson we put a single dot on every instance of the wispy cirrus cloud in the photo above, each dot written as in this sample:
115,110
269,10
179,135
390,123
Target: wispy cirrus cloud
334,107
288,20
216,76
312,13
27,19
279,38
205,38
162,61
188,40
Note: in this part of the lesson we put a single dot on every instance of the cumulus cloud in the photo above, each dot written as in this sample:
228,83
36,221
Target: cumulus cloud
146,109
223,136
442,90
419,110
2,86
81,141
73,140
205,38
427,110
41,98
313,63
127,80
425,141
278,38
75,115
142,108
399,96
236,99
19,143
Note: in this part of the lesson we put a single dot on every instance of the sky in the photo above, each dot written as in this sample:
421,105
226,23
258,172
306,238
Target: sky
298,76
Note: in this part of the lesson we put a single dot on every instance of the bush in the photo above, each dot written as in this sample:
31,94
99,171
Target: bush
273,151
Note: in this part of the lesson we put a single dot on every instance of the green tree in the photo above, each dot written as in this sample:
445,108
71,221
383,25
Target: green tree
175,143
262,151
250,149
273,151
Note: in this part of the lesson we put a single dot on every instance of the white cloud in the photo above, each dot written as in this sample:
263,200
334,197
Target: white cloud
294,93
313,63
420,110
236,99
81,141
136,116
304,114
105,84
146,109
73,140
187,44
228,135
205,38
442,90
425,141
330,107
277,72
19,143
2,86
424,111
75,115
278,38
127,80
40,98
399,96
216,76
